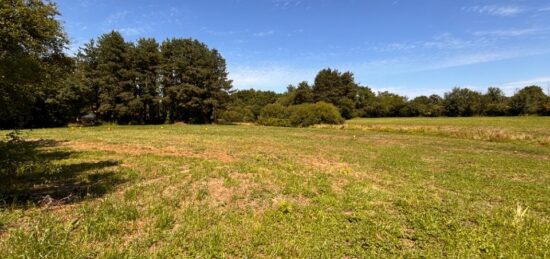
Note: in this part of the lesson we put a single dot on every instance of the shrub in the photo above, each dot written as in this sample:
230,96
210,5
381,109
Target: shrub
274,115
302,115
274,110
236,114
276,122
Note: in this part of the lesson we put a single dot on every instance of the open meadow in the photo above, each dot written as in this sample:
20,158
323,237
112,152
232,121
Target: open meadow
433,187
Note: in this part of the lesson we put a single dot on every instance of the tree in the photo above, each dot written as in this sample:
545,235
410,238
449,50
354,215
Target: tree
114,78
462,102
32,41
303,94
87,68
529,100
386,104
495,103
194,80
364,98
249,103
337,88
146,59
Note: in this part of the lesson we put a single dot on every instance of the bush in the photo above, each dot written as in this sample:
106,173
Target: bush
275,122
274,110
302,115
236,114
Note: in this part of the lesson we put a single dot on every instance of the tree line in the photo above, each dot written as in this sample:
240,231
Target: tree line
353,100
150,82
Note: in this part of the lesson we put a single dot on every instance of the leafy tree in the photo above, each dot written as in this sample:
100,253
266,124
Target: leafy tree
64,101
337,88
495,103
425,106
287,98
194,80
529,100
31,50
462,102
436,107
252,100
364,98
386,104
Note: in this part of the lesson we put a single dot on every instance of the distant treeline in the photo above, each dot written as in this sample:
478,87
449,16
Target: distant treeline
353,100
147,82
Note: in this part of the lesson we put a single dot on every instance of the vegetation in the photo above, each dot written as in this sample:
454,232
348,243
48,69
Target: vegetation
301,115
386,187
381,187
146,82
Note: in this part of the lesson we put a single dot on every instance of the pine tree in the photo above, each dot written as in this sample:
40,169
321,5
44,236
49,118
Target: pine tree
194,80
114,78
145,64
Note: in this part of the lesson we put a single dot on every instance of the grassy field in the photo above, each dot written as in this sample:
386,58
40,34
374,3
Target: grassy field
434,187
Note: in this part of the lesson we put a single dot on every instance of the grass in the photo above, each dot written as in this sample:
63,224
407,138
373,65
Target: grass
374,188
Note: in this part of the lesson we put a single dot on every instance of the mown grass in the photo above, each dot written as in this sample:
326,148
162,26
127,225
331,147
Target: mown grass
248,191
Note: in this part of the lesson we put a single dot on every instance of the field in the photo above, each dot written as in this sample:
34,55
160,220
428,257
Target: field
434,187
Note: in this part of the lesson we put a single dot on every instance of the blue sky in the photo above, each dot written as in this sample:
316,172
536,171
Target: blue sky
411,47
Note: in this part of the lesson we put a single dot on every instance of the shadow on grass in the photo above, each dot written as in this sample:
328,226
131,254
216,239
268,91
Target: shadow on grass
32,173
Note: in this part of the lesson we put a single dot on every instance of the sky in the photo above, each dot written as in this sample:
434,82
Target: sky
410,47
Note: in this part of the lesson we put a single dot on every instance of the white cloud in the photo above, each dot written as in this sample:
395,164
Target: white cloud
509,32
130,31
511,87
445,41
117,17
436,61
269,77
264,33
496,10
286,3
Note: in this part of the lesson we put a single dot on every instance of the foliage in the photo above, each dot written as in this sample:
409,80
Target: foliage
529,100
246,105
146,82
301,115
32,62
194,80
338,88
462,102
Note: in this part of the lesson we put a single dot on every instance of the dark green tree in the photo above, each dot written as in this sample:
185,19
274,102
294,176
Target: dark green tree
303,94
495,103
529,100
87,69
146,107
32,61
364,99
194,80
462,102
337,88
114,75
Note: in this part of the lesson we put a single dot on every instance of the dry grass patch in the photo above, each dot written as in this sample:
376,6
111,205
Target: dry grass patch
136,149
473,133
